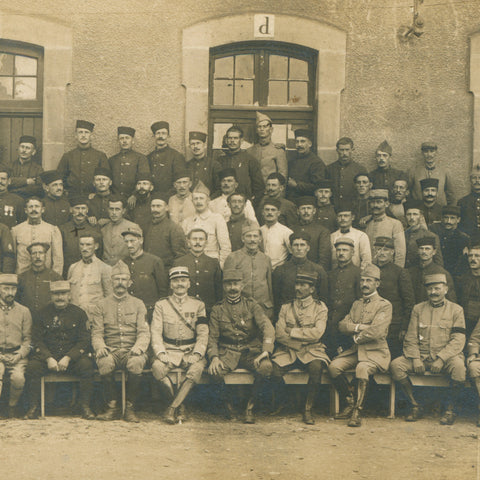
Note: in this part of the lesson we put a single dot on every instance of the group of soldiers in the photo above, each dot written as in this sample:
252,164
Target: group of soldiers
259,259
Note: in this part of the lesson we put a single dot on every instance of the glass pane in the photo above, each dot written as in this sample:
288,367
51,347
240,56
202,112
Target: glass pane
219,131
25,65
25,88
298,69
223,92
277,93
279,134
298,93
224,67
244,66
6,88
6,64
244,92
278,67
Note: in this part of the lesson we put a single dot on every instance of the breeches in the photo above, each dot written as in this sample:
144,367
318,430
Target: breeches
121,359
193,371
363,370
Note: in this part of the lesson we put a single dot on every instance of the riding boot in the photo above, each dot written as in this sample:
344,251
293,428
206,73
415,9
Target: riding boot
455,389
307,414
180,397
345,390
407,388
166,388
257,384
356,420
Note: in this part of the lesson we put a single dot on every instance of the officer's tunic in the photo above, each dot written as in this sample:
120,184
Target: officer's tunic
165,239
78,166
34,288
12,209
319,242
205,278
179,336
342,176
25,234
164,164
307,170
272,159
240,329
114,246
57,210
125,166
19,174
205,169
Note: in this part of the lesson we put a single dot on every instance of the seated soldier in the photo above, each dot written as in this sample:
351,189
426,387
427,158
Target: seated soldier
473,360
367,323
179,340
241,336
61,343
434,342
298,332
120,338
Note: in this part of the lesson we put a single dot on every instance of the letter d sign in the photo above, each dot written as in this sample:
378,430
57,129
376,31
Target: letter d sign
264,26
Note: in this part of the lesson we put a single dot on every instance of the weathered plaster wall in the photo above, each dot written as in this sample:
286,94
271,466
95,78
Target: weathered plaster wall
127,68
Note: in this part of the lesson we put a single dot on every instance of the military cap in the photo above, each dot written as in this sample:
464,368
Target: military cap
50,176
60,286
261,117
304,132
300,236
428,146
8,279
386,242
159,196
343,207
435,278
126,131
28,139
250,226
78,200
384,147
120,268
86,125
422,241
428,182
370,270
200,187
158,125
181,174
412,205
304,277
275,202
104,172
232,275
178,272
134,230
344,241
379,193
142,176
46,246
451,210
227,172
324,183
306,201
197,136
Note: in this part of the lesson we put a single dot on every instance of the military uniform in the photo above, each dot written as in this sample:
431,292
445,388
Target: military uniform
469,298
164,165
432,214
78,166
319,244
386,177
125,166
114,247
179,336
7,252
141,213
327,217
180,208
12,209
307,170
412,234
362,251
205,278
205,170
445,186
342,179
57,210
235,225
98,206
166,240
288,212
19,174
470,214
417,275
272,158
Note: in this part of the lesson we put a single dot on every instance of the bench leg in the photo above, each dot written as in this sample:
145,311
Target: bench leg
392,400
334,401
42,397
124,392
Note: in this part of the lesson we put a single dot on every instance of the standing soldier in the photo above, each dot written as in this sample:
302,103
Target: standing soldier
120,339
367,323
60,341
12,206
238,220
15,335
78,165
57,208
205,271
179,340
141,213
180,204
470,205
241,336
384,175
298,333
98,201
164,162
434,342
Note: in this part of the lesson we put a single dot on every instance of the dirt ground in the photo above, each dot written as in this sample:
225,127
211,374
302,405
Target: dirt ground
208,447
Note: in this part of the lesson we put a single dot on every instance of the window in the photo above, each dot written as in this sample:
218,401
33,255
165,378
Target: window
275,78
21,96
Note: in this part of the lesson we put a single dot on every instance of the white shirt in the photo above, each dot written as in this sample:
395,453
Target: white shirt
221,206
276,240
362,252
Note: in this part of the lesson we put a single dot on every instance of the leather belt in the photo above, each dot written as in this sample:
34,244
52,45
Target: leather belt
9,350
178,342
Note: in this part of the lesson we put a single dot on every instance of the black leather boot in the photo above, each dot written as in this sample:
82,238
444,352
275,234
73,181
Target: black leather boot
356,419
345,390
307,414
407,388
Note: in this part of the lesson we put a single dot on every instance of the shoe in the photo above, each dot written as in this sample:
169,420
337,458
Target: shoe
111,413
346,412
415,414
87,413
308,418
249,416
448,418
229,411
129,415
355,420
32,413
169,416
182,414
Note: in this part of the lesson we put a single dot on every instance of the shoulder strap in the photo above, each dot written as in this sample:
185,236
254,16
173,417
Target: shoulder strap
295,315
180,316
